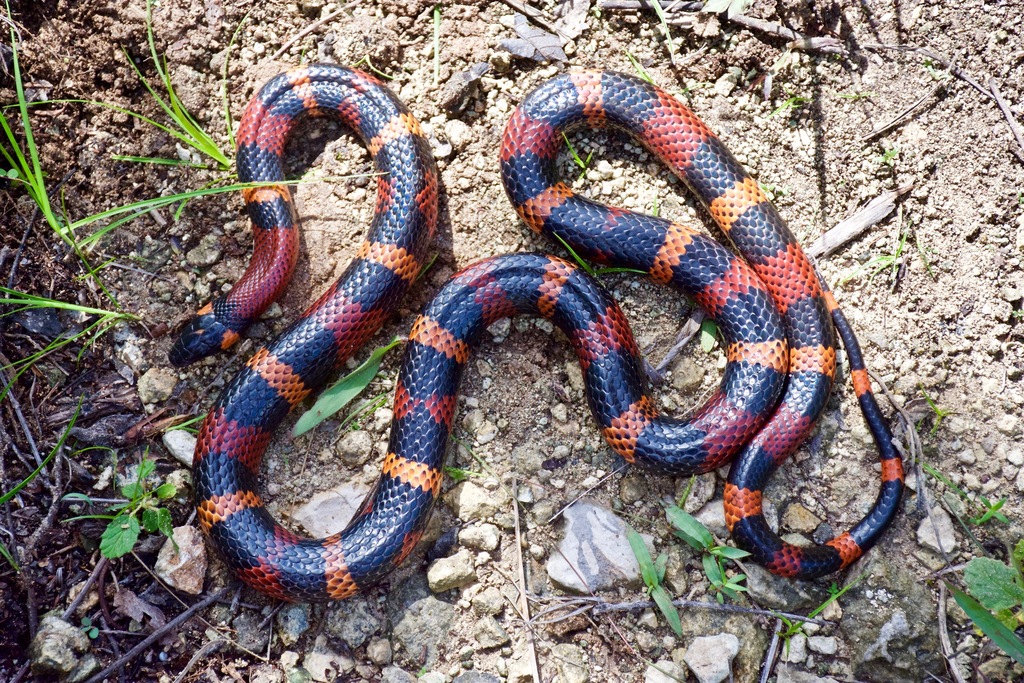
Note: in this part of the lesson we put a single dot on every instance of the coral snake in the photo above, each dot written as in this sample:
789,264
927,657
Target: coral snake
778,320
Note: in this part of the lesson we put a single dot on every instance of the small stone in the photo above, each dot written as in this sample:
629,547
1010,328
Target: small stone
470,501
266,673
451,572
206,253
664,671
489,633
324,664
633,488
312,8
355,620
728,81
486,432
488,601
458,133
800,519
475,677
330,511
570,663
940,536
378,650
157,385
712,515
520,671
480,537
687,375
181,445
292,622
1008,424
355,448
183,567
790,674
648,618
781,593
594,553
824,645
393,674
710,657
795,651
57,647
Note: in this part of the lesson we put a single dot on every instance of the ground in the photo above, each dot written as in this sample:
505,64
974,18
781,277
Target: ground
934,291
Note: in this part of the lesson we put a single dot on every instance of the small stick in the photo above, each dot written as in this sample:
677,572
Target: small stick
312,27
524,604
903,115
854,226
773,649
947,647
1014,128
159,633
947,63
601,481
687,332
100,567
536,17
599,606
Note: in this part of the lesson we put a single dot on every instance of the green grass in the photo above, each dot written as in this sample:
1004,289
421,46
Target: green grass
583,164
437,45
879,263
653,573
639,68
713,555
790,104
854,96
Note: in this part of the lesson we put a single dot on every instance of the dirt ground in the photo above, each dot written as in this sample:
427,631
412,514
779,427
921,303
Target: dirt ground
934,292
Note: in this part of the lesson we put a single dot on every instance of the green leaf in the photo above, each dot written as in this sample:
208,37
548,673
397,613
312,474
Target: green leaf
643,557
343,391
146,468
1003,637
689,529
729,553
132,491
164,522
119,537
660,566
713,570
708,335
149,520
166,490
664,602
1018,554
81,497
993,583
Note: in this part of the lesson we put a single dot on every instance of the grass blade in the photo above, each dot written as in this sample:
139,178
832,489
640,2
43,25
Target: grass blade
343,391
1003,637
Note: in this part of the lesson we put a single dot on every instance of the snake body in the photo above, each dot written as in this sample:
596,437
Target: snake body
774,312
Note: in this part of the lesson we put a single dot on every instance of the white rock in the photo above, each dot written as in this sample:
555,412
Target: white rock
451,572
157,385
181,445
480,537
941,533
710,657
664,671
796,650
183,568
330,511
470,501
825,645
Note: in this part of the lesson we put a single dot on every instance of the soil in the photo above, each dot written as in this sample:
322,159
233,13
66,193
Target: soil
934,290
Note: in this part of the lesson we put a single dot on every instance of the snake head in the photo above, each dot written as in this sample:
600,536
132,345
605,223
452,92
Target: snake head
203,336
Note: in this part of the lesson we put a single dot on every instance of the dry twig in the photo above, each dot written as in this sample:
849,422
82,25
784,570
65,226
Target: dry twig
947,648
312,27
854,226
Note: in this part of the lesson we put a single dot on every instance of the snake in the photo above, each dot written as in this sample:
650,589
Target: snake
778,320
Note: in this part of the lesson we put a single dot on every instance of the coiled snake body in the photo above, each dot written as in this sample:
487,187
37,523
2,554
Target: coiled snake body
775,314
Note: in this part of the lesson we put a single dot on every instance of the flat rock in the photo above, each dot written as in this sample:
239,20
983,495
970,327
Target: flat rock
571,663
800,519
181,445
184,566
330,511
664,671
292,622
157,385
489,633
355,448
940,536
451,572
471,501
420,621
710,657
476,677
392,674
594,554
781,593
355,620
786,673
712,515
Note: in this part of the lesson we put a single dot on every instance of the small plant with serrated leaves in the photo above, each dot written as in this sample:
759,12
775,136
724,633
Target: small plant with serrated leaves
995,599
653,573
713,557
142,510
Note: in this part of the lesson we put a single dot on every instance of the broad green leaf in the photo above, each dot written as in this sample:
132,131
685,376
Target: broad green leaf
643,558
660,566
664,602
689,529
993,583
119,537
146,468
1003,637
149,520
166,490
164,522
708,335
132,491
1018,554
346,389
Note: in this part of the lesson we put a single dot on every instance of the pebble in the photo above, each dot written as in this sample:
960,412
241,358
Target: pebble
790,674
800,519
355,448
355,620
687,375
664,671
796,650
943,527
292,622
712,515
421,622
61,649
594,554
393,674
488,601
379,651
710,657
324,664
489,633
183,567
330,511
470,501
206,253
451,572
480,537
780,593
458,133
570,663
824,645
181,445
157,385
475,677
